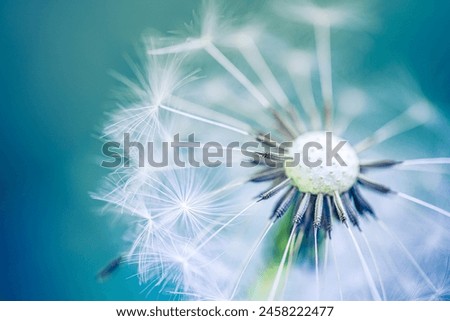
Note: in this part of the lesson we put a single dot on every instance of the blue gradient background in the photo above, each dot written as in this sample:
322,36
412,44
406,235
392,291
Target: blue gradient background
54,89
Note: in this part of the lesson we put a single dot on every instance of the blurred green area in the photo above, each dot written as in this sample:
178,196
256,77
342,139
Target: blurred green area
55,88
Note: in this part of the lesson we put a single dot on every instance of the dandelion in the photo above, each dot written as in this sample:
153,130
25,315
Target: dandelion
332,224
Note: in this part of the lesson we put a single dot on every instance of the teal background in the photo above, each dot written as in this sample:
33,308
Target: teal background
55,85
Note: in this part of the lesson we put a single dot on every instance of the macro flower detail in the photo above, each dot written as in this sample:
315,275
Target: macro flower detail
303,213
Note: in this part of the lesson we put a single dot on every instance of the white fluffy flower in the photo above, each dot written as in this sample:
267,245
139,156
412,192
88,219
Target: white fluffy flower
377,229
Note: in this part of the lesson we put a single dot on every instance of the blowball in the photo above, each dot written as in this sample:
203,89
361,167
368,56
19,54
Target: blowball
323,163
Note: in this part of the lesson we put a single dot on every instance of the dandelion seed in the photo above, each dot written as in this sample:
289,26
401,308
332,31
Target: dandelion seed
334,226
139,113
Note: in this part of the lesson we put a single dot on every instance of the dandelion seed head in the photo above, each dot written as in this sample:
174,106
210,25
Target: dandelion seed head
139,113
199,233
170,258
322,178
183,201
